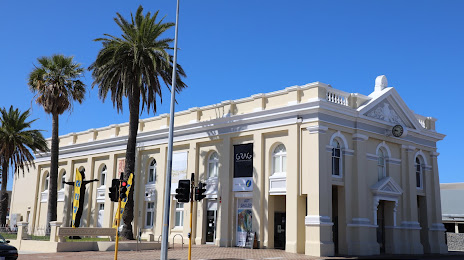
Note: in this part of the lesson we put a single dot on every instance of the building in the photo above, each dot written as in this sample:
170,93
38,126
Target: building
452,206
309,169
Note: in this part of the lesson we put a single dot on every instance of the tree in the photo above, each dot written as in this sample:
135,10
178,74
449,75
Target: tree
133,66
17,141
56,85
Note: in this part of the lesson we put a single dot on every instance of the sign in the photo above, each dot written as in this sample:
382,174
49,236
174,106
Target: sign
124,201
77,194
249,240
243,167
179,169
244,220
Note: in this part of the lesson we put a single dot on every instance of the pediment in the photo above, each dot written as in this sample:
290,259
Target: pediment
388,107
387,186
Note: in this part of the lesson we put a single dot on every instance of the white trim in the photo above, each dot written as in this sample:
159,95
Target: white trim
340,136
317,129
360,137
316,220
384,145
421,153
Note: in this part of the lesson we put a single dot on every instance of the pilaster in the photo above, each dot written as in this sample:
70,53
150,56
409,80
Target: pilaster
225,196
318,222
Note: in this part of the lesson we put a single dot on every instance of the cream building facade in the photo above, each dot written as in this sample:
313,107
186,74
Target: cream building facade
327,174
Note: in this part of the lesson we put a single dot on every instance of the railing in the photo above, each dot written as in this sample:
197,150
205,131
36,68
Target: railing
337,96
176,236
9,232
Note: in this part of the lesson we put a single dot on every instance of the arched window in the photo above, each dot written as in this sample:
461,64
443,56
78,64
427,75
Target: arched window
418,165
103,176
152,172
213,165
336,158
279,160
46,182
63,179
381,164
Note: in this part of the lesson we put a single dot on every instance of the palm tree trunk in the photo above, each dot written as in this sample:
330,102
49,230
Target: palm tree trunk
128,216
3,194
53,185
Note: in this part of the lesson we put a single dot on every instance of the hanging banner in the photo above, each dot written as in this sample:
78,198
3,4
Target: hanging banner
77,194
243,167
124,201
179,169
244,220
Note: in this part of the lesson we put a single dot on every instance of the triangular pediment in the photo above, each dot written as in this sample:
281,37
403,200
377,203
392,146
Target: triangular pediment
388,107
387,186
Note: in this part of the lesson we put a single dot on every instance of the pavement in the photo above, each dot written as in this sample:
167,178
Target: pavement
203,252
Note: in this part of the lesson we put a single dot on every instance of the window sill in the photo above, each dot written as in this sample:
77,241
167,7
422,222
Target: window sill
178,229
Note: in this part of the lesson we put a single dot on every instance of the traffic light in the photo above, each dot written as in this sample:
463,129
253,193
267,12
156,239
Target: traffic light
114,194
199,191
122,192
183,191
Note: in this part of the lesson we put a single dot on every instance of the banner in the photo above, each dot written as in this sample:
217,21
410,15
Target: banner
77,194
124,201
243,167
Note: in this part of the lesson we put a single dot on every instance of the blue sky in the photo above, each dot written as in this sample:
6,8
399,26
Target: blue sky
234,49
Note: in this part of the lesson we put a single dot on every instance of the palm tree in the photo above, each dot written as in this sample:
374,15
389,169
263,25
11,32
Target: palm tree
17,141
56,85
132,66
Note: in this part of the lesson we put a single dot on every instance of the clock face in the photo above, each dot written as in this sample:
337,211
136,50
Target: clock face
397,130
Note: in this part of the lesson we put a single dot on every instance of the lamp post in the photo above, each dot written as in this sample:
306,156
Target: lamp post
167,190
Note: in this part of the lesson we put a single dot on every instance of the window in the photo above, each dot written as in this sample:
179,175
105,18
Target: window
103,176
418,173
336,158
150,214
179,214
381,164
279,160
152,172
63,179
47,180
213,163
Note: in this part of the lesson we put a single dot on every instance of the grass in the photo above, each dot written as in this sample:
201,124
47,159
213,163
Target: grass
8,236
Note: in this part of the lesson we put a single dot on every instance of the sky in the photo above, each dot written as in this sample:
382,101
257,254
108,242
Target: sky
234,49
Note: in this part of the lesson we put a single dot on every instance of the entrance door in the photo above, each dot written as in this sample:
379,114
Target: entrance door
279,230
210,226
381,226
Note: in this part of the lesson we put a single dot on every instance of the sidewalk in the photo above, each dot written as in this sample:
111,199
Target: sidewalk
213,252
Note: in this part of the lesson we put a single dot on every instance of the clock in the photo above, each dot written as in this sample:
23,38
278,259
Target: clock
397,130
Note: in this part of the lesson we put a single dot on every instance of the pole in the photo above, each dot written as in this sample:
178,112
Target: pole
192,189
167,190
118,221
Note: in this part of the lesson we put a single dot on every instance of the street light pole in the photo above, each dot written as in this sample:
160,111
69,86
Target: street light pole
167,190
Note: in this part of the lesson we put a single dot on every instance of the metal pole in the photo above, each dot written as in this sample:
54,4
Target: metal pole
118,214
192,190
167,190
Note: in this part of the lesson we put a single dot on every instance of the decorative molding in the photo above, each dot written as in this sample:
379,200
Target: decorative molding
372,157
408,148
316,220
360,137
278,185
385,113
361,222
413,225
348,152
60,195
317,129
434,154
437,227
394,161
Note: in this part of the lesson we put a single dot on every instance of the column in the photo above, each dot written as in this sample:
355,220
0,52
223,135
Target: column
295,204
225,196
318,221
361,231
437,229
258,185
410,224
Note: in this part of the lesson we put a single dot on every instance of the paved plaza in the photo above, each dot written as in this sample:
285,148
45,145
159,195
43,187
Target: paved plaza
212,252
